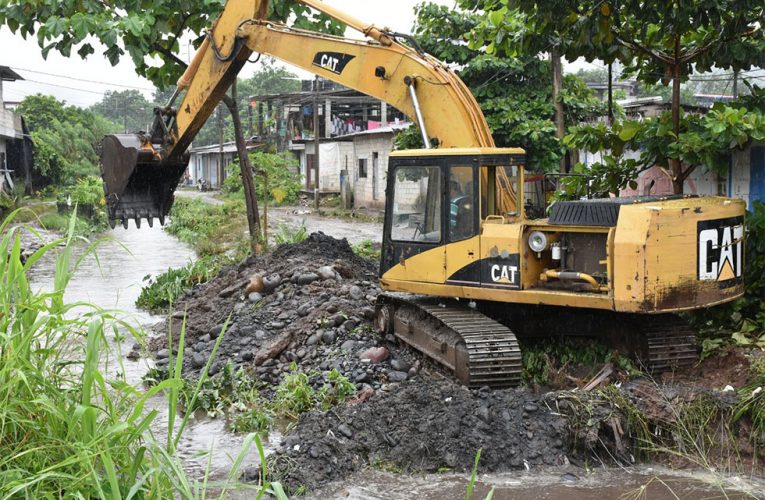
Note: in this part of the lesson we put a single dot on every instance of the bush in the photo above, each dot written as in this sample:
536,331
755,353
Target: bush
210,229
275,176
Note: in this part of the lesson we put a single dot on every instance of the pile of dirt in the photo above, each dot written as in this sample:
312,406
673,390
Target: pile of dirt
314,308
425,426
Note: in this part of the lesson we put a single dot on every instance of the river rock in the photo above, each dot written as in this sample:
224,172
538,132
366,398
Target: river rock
376,355
397,376
304,309
355,293
271,283
273,348
400,365
255,285
328,336
345,430
348,345
254,297
307,278
198,361
162,354
326,273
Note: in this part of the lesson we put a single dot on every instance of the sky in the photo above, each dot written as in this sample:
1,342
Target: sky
83,82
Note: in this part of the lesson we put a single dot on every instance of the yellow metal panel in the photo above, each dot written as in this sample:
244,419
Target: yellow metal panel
428,266
462,254
458,151
656,255
553,298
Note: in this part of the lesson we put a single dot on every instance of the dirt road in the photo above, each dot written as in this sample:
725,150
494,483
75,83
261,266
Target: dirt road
295,217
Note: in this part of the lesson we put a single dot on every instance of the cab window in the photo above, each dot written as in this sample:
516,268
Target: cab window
501,188
417,205
461,203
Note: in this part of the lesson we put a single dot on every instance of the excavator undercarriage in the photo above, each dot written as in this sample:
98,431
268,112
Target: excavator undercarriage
475,342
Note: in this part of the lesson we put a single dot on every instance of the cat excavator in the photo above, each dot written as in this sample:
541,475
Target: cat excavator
473,256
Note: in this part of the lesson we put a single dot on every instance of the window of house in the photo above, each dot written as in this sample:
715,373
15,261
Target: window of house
362,168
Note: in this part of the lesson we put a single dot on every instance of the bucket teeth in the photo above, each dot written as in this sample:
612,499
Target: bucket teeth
112,223
125,223
138,222
150,220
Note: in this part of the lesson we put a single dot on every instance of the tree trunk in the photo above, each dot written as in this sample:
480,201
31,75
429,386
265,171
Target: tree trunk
557,81
674,163
610,95
250,199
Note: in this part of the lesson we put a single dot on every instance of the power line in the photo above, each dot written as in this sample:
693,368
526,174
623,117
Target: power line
84,79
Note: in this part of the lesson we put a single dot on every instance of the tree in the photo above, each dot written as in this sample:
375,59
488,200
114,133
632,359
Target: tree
65,139
658,41
127,107
515,93
146,31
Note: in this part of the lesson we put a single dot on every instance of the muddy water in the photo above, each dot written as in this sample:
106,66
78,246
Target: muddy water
112,279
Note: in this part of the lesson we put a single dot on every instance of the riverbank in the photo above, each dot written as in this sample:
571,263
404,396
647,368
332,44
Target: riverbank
300,319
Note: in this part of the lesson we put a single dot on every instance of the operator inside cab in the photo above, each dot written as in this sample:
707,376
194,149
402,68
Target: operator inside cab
460,204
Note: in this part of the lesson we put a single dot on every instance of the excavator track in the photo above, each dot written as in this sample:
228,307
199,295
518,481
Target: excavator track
478,350
670,344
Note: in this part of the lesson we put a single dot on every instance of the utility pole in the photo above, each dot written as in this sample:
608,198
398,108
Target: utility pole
316,140
220,145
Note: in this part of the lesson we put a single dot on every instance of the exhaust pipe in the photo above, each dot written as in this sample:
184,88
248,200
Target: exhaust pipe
138,182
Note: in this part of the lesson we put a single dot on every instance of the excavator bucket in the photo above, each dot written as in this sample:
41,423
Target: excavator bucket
138,183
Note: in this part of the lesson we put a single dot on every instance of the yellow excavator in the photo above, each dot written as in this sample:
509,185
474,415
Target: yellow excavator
472,255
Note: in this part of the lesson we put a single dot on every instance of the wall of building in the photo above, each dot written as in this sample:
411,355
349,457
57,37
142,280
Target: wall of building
369,191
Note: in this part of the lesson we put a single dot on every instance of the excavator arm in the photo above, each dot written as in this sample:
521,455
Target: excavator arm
141,171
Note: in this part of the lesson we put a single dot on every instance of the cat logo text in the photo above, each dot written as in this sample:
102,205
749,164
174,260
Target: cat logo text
721,250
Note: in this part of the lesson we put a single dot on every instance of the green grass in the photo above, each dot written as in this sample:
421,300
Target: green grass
285,234
210,229
368,249
68,429
163,290
54,221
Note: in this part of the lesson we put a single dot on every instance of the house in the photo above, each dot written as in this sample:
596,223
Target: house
359,158
341,114
209,163
12,137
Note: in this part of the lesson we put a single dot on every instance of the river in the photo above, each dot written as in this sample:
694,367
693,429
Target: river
112,278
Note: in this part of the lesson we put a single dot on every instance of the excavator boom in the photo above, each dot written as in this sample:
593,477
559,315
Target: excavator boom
141,171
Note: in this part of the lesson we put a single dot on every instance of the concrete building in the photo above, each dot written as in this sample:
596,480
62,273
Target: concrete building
11,135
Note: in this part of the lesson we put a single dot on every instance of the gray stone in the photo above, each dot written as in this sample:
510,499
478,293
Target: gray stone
368,312
400,365
355,293
396,376
307,278
569,477
313,452
198,361
304,310
133,355
247,356
205,338
162,362
277,325
301,353
254,297
345,430
348,345
313,339
483,414
530,407
164,353
361,378
328,337
260,334
350,324
215,331
326,273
